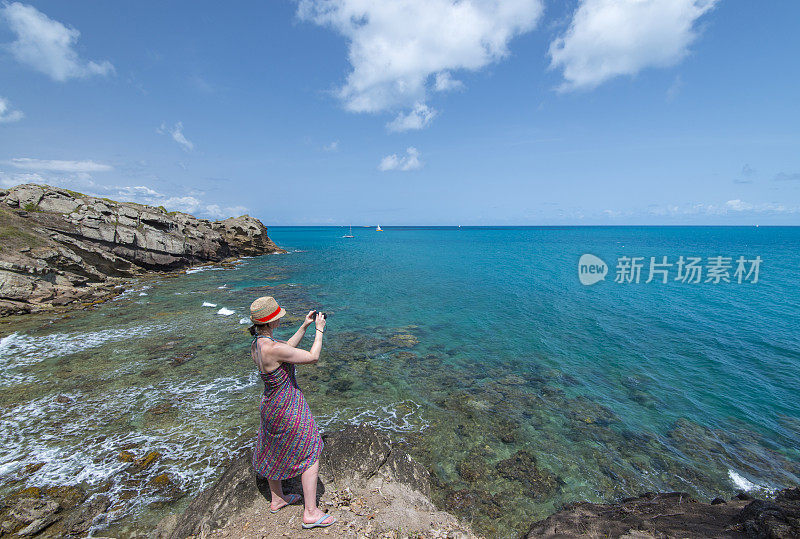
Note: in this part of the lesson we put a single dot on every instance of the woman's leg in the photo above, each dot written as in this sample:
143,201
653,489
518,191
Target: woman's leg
312,513
276,491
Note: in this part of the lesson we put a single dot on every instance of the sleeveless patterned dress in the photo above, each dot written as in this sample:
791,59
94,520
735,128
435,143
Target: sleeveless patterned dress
288,440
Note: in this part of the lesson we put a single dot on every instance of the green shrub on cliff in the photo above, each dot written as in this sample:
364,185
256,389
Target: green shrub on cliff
13,237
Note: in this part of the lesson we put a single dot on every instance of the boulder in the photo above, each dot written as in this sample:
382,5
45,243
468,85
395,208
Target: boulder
16,286
58,201
354,454
24,196
776,519
400,467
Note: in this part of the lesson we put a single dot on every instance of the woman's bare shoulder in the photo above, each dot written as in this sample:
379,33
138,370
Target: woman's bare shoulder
264,351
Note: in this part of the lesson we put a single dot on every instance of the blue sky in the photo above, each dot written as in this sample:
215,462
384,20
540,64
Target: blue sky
411,112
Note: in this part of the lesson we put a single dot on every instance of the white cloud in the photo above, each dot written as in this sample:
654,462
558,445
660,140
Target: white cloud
177,135
396,48
27,163
730,207
216,212
444,82
136,191
417,118
187,203
608,38
47,45
17,178
408,162
77,181
183,204
332,147
7,114
674,89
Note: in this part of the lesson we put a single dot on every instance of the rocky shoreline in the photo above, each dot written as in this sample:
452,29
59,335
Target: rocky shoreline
372,486
375,489
61,248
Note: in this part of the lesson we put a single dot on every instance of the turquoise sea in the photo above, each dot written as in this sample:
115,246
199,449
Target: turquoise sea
517,386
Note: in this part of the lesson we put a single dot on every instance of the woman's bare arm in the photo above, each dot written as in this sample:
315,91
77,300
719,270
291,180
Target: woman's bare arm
295,339
288,354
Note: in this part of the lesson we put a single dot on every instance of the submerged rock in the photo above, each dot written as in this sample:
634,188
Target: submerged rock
58,511
145,462
31,468
161,408
180,359
404,340
522,467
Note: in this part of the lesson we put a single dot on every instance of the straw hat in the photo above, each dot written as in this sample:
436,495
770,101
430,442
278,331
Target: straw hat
265,310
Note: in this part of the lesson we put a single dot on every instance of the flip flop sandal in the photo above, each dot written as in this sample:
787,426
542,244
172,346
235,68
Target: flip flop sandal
294,499
318,523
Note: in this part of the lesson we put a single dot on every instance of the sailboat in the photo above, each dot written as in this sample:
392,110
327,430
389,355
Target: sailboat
379,229
349,234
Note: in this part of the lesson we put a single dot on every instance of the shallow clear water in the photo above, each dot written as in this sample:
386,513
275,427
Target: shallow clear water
519,388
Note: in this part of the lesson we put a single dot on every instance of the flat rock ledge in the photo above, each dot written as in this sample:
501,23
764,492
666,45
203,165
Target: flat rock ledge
676,514
60,247
371,486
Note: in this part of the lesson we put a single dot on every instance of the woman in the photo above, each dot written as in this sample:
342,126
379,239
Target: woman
288,440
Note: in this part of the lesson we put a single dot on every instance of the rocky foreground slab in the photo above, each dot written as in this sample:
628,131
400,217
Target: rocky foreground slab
59,247
372,487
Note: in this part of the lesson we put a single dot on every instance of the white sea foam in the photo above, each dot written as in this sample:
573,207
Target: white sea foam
207,304
223,286
204,268
20,349
745,484
225,312
244,320
67,437
399,417
130,291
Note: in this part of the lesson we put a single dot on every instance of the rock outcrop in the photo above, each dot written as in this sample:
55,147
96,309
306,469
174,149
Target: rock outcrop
369,484
51,512
676,514
60,247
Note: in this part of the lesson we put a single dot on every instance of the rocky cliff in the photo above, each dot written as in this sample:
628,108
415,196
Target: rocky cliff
58,247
